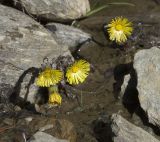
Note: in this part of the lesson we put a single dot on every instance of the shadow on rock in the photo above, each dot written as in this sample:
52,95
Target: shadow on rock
102,127
42,95
102,130
130,96
7,2
119,72
15,96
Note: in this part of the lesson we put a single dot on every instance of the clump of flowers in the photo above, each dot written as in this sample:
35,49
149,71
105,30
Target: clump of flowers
49,78
76,73
119,29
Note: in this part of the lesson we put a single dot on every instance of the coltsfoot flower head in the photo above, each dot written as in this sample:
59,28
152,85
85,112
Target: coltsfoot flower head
55,99
49,77
119,29
78,72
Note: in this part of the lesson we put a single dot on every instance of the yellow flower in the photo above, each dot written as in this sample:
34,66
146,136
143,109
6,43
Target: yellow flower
119,29
78,72
55,99
49,77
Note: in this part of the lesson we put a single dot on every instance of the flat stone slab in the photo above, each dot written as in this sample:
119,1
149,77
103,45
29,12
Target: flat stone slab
68,35
147,66
124,131
24,43
55,10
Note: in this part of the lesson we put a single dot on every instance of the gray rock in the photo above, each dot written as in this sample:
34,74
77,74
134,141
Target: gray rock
59,128
43,137
24,43
56,10
5,91
147,66
124,85
68,35
124,131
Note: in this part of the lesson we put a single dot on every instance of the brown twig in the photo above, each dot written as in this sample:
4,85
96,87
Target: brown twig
2,129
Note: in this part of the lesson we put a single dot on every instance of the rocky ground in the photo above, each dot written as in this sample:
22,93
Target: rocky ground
119,102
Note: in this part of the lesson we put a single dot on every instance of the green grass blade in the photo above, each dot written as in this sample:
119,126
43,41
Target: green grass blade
95,5
96,10
121,3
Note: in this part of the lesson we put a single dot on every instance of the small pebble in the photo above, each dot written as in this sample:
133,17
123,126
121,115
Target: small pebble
28,119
